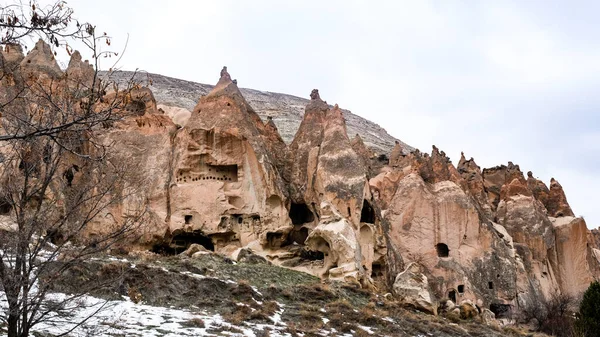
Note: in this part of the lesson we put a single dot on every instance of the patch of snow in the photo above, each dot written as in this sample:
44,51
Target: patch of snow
130,319
367,329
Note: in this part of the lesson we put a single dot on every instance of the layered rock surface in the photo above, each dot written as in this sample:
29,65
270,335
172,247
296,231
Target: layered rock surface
217,175
286,110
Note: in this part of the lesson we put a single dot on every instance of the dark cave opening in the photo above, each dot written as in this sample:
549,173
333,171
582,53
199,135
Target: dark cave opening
312,255
367,214
182,241
300,214
501,310
461,288
377,269
452,295
5,207
442,250
297,236
275,240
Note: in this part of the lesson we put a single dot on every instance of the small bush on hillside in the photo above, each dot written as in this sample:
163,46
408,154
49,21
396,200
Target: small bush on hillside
552,315
588,322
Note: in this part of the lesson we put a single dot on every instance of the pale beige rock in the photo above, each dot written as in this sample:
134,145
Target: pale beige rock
194,249
41,60
573,255
411,287
179,116
335,237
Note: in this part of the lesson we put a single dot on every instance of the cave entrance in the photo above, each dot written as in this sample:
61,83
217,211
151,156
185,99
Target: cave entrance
297,236
442,250
312,255
367,214
501,310
377,269
181,241
300,214
452,295
5,207
461,288
275,240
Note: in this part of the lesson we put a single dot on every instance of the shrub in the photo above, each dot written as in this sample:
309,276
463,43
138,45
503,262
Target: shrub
552,315
588,322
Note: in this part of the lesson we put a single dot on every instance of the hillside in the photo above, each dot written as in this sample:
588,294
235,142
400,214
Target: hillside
287,111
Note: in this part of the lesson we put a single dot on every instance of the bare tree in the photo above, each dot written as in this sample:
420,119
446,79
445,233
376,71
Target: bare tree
59,179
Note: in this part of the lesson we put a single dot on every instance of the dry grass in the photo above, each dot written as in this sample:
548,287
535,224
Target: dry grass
195,322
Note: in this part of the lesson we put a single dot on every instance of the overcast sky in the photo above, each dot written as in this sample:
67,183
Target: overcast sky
500,80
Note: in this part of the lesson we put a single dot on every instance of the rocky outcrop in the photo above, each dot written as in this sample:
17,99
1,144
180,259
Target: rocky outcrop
412,287
220,177
573,256
80,72
225,182
557,204
286,111
41,60
471,173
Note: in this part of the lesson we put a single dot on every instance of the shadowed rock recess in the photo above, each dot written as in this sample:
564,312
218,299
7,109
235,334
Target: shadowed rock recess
241,170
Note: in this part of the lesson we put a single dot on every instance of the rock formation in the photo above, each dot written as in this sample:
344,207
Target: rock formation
222,178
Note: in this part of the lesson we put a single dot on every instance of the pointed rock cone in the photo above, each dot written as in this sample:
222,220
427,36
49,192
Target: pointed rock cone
340,171
226,171
538,188
557,205
41,60
79,72
396,154
301,157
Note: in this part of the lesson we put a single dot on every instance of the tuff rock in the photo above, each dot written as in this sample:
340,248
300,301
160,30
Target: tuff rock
220,177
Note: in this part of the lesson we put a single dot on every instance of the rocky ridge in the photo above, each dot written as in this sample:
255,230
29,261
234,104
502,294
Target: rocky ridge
285,110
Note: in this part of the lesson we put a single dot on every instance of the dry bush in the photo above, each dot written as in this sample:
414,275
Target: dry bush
238,315
310,321
195,322
552,315
269,307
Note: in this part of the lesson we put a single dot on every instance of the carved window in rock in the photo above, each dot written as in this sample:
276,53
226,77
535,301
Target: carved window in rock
378,269
442,250
367,214
461,288
199,170
452,295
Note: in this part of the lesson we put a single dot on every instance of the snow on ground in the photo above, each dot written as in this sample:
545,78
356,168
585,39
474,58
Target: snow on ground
118,318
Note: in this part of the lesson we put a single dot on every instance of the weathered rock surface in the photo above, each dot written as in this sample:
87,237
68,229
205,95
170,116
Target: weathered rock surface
412,287
246,174
286,110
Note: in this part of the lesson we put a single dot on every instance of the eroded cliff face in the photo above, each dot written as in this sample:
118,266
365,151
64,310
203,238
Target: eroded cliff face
221,177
